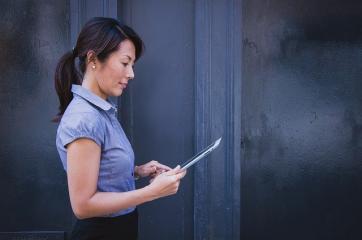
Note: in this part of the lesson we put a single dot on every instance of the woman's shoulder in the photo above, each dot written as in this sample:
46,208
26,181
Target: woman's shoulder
79,105
81,119
80,111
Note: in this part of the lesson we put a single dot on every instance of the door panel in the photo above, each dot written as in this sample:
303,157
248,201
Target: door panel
34,34
158,108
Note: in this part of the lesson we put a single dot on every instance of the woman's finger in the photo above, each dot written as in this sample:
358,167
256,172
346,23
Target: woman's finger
181,174
173,171
161,166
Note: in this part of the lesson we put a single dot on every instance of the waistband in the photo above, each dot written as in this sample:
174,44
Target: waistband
121,218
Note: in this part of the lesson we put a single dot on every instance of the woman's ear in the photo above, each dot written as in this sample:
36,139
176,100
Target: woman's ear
91,57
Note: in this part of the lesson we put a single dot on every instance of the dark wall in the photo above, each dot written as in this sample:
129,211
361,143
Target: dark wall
157,110
33,185
302,120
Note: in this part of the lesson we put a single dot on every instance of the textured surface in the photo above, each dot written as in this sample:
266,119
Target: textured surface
302,120
33,35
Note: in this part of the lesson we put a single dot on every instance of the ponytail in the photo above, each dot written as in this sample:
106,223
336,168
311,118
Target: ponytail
65,75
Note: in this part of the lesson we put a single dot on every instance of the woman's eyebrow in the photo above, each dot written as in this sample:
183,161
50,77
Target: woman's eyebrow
128,57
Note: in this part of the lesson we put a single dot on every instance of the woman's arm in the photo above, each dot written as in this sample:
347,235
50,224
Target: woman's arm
83,159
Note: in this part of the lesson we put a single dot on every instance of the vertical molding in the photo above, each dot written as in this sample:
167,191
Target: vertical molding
202,115
228,121
126,114
82,10
235,10
204,219
110,8
74,21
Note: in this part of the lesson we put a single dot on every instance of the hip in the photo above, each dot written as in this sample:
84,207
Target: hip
107,228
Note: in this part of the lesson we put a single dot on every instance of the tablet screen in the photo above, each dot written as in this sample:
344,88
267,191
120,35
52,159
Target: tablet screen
206,151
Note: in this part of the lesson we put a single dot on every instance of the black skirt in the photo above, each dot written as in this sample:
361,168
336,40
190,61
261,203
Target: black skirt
107,228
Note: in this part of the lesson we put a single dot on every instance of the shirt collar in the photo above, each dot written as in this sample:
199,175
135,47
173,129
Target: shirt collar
92,98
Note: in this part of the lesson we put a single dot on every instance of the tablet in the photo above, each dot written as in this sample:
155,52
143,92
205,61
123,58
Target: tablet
200,155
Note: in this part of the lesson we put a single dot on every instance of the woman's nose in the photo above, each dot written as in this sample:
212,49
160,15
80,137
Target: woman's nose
130,74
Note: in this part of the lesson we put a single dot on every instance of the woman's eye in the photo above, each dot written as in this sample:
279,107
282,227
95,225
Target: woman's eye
126,65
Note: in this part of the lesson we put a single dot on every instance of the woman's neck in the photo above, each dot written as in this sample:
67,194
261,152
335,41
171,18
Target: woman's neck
90,83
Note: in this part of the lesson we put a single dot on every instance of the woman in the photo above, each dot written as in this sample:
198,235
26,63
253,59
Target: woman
94,149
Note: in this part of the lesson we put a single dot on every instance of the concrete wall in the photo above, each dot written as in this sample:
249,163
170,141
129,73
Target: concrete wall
302,120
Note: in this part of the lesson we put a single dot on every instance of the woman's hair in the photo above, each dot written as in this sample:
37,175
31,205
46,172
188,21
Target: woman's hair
101,35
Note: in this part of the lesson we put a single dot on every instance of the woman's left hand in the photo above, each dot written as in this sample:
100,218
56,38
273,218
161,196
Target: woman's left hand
151,168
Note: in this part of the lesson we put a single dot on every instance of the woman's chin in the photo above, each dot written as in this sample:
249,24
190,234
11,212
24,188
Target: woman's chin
117,93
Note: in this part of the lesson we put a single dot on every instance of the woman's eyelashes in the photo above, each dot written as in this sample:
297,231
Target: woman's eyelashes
126,64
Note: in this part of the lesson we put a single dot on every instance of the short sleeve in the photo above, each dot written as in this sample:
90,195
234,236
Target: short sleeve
81,125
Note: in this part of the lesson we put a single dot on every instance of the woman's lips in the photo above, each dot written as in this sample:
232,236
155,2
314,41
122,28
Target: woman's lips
123,85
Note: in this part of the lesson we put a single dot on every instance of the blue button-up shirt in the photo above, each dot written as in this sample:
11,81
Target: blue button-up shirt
89,116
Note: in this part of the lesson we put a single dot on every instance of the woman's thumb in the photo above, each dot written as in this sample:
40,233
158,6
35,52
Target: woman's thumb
173,171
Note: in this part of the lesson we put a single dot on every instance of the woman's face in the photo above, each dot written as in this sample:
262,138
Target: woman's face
113,74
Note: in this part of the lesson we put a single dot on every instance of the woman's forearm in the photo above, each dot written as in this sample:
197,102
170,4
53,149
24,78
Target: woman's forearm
104,203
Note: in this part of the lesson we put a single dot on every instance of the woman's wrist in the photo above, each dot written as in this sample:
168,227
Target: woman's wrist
136,173
149,193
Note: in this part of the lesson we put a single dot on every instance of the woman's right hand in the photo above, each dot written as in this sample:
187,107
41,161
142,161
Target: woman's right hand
167,183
